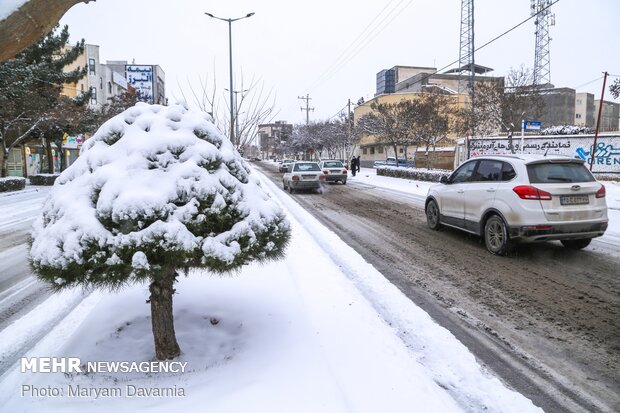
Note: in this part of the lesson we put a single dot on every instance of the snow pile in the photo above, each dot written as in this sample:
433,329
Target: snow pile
567,130
155,187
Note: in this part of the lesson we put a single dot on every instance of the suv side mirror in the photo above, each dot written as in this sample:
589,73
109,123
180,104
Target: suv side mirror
443,179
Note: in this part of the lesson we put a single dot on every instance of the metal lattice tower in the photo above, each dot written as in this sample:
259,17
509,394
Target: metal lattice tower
544,19
466,52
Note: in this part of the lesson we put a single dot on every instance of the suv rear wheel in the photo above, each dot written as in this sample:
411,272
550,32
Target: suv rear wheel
496,236
576,244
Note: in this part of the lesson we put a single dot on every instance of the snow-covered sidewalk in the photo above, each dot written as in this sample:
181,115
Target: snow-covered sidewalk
321,331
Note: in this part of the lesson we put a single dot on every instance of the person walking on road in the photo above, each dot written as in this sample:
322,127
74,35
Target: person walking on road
358,163
354,165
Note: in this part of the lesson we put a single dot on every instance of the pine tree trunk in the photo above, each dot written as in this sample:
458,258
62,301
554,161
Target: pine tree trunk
162,289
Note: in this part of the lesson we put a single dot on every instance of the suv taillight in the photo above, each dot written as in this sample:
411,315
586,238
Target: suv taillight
530,192
344,172
295,178
601,192
326,172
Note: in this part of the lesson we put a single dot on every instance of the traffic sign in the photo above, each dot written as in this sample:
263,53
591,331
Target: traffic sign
531,125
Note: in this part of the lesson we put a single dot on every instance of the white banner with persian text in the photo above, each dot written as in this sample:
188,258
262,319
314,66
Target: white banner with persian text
606,155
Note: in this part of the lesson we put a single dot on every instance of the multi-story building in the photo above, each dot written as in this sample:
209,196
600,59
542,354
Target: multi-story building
103,81
610,115
560,106
371,149
271,137
148,80
584,109
415,79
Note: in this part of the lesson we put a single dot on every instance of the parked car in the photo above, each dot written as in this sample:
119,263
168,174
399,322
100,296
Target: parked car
285,164
521,198
391,161
334,170
303,175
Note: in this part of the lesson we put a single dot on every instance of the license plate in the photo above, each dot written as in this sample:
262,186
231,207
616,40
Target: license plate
574,200
307,177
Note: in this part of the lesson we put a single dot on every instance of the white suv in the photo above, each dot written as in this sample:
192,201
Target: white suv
521,198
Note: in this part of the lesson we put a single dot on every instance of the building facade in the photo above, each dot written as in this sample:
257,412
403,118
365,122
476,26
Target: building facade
371,149
584,110
148,80
610,115
271,136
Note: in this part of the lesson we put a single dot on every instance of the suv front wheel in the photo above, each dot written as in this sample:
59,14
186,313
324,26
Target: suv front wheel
432,215
496,236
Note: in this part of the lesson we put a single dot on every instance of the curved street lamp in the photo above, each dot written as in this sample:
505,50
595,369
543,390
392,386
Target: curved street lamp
232,115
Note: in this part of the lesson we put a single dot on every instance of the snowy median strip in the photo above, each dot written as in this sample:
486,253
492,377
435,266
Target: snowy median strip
446,360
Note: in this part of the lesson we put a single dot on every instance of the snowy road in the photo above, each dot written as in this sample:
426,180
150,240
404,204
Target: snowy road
19,290
547,320
22,296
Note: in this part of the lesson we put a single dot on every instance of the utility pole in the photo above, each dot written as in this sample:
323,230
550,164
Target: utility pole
307,108
346,156
598,119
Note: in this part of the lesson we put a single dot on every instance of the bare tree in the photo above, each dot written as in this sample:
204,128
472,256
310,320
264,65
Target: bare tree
254,105
506,106
432,117
390,123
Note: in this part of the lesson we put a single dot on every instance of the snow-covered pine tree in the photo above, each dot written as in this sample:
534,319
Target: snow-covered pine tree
156,190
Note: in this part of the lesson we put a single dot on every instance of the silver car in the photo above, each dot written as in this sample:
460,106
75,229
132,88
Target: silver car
334,171
303,175
521,198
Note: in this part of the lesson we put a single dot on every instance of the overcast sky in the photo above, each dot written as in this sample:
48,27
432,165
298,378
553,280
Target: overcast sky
332,50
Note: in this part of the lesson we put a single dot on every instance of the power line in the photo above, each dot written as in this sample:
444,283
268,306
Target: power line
423,78
487,43
367,38
588,83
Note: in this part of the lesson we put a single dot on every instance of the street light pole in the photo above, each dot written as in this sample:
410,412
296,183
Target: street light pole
236,106
232,111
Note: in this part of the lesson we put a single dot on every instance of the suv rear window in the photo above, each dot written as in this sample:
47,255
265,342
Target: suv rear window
553,173
332,164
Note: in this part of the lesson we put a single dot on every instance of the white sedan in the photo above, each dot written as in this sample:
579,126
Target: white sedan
334,171
303,175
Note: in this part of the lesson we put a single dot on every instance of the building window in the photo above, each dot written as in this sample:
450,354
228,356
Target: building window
579,101
380,149
578,115
101,83
109,88
91,67
364,151
93,96
401,150
81,87
372,150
